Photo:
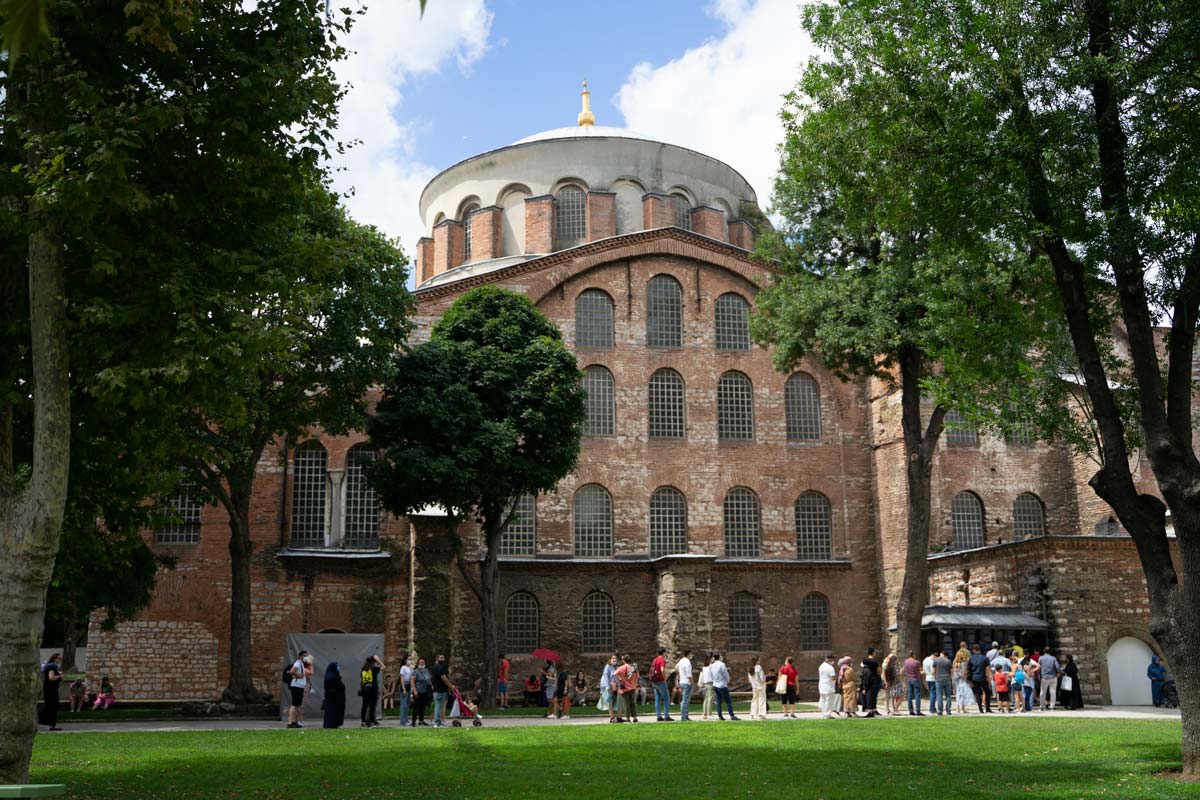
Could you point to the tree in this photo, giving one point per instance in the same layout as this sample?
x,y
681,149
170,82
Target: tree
x,y
868,286
147,157
489,409
1081,120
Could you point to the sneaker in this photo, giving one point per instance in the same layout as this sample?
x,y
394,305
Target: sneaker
x,y
731,716
299,724
565,717
291,725
668,719
919,714
721,718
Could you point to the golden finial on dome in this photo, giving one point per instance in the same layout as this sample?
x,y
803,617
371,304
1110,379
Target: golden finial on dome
x,y
586,117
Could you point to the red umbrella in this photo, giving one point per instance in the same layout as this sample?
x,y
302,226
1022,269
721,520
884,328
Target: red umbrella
x,y
546,655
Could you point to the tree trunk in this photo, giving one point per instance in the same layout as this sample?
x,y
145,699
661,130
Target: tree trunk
x,y
240,688
489,584
70,641
919,447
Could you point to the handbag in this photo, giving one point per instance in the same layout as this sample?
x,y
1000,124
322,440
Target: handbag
x,y
1067,683
781,685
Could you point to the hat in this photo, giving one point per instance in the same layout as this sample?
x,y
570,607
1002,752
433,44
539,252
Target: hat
x,y
995,644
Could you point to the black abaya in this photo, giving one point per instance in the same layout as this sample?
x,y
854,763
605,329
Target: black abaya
x,y
335,700
1074,698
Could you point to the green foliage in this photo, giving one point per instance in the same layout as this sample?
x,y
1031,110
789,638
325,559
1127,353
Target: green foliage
x,y
490,408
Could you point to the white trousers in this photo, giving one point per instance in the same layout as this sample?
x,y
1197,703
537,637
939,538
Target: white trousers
x,y
1049,687
758,702
828,704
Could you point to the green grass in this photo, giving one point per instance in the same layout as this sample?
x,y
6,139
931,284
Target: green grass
x,y
1043,758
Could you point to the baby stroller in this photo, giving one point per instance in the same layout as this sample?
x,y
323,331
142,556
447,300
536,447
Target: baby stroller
x,y
1170,694
460,709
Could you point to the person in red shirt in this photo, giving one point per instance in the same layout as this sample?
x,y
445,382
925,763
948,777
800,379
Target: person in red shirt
x,y
789,697
913,678
1001,679
502,681
658,679
627,679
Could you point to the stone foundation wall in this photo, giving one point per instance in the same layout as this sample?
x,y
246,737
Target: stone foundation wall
x,y
156,660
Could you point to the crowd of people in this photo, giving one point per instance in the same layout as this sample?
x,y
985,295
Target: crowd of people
x,y
80,696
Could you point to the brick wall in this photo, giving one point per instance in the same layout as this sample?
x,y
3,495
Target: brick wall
x,y
709,222
425,259
156,660
447,245
741,233
601,215
539,224
485,232
658,210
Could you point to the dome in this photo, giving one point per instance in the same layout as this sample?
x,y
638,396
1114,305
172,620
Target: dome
x,y
584,131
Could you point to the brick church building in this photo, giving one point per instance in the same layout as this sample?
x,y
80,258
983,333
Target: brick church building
x,y
717,503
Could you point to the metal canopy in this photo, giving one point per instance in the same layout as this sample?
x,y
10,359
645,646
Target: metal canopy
x,y
995,617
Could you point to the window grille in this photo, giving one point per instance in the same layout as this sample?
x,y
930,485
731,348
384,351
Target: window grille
x,y
683,211
570,214
814,527
593,522
467,223
597,623
960,430
519,537
742,524
966,514
362,506
664,312
1021,431
802,406
185,507
815,631
668,522
521,623
745,627
593,319
309,487
600,399
735,407
666,405
1029,517
732,322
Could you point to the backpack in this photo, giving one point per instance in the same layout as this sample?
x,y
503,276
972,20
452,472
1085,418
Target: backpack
x,y
287,674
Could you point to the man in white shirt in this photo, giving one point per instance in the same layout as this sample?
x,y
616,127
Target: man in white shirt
x,y
930,679
720,681
827,686
707,687
683,674
300,671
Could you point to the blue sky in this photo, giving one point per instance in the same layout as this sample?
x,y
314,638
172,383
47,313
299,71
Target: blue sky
x,y
474,75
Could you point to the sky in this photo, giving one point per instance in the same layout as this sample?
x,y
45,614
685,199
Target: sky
x,y
474,75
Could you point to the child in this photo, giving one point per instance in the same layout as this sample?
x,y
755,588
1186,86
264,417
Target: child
x,y
389,692
107,696
78,695
1002,679
1023,687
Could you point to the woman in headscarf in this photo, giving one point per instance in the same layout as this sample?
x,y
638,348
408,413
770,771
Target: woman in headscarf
x,y
963,696
848,681
335,696
1072,698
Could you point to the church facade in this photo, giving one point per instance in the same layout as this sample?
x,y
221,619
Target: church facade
x,y
717,503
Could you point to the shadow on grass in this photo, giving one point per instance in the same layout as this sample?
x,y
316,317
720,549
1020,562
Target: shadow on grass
x,y
967,758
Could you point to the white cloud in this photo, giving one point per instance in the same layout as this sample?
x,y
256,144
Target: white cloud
x,y
389,44
723,97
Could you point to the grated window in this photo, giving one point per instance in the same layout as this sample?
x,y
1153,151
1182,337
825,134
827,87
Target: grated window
x,y
570,214
735,407
683,211
310,481
815,631
802,406
664,312
960,430
593,522
467,223
666,405
745,626
668,522
814,527
743,524
521,623
362,506
519,537
1029,517
600,399
732,322
593,319
966,514
185,506
597,623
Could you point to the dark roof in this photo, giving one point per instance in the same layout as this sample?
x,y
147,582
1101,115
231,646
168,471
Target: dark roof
x,y
981,617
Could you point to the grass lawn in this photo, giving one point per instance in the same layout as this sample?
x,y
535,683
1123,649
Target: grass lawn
x,y
1043,758
590,710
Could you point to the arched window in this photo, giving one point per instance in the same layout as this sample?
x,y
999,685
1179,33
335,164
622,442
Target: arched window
x,y
668,522
814,527
519,537
521,623
960,430
1029,517
1108,527
310,478
593,319
570,214
666,405
664,312
732,322
802,406
966,515
467,211
683,211
1021,430
743,524
184,506
815,628
600,397
361,529
593,522
597,623
745,627
735,407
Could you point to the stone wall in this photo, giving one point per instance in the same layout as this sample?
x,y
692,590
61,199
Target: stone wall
x,y
156,660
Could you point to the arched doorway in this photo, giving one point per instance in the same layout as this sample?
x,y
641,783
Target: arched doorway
x,y
1127,661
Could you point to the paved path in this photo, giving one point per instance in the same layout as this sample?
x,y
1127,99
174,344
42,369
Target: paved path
x,y
1093,712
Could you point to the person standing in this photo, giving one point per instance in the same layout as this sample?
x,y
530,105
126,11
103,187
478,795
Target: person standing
x,y
51,684
963,695
626,677
788,701
1157,674
943,672
389,692
502,676
871,683
706,686
609,693
995,651
549,678
1000,679
1072,692
1048,669
405,688
758,689
440,679
720,679
683,669
298,686
981,679
930,681
912,681
893,686
848,680
368,690
562,697
658,680
827,686
422,688
335,697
